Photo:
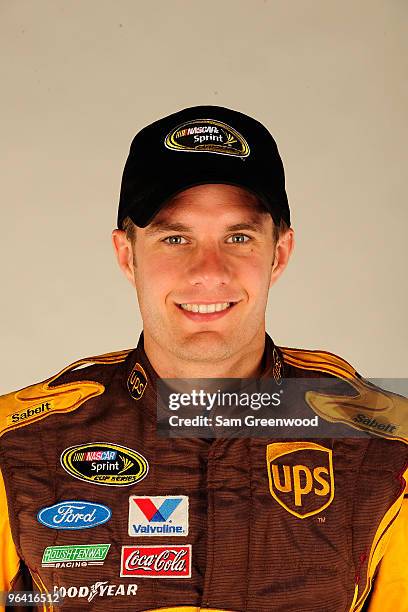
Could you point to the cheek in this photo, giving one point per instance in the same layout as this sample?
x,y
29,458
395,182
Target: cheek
x,y
254,274
155,278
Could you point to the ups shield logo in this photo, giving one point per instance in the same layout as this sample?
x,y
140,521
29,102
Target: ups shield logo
x,y
137,382
300,476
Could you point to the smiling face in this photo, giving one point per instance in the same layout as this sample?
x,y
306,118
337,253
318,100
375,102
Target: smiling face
x,y
202,272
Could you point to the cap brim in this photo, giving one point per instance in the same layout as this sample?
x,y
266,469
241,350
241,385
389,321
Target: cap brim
x,y
156,197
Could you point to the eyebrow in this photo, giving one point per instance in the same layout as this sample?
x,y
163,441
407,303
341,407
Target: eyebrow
x,y
164,226
251,226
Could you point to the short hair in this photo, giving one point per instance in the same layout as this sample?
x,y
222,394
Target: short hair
x,y
130,228
278,229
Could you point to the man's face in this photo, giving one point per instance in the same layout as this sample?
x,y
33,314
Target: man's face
x,y
202,272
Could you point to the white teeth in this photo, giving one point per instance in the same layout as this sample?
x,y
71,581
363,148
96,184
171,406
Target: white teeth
x,y
210,308
206,308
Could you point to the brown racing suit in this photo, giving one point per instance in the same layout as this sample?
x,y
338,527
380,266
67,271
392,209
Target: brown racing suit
x,y
248,548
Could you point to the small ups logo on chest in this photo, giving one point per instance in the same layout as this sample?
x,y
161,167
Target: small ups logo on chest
x,y
137,382
300,476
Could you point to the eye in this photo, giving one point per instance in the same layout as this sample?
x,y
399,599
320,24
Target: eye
x,y
175,240
238,238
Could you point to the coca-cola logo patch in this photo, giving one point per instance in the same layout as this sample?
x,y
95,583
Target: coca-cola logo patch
x,y
156,561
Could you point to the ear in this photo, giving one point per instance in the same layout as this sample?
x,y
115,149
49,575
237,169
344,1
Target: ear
x,y
283,251
124,254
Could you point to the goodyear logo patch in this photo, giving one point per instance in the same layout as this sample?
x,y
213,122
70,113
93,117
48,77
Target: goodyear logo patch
x,y
104,463
300,476
137,381
29,414
207,135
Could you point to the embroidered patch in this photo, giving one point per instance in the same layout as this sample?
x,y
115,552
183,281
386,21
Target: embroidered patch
x,y
104,463
137,381
301,476
209,136
158,515
75,555
156,561
74,514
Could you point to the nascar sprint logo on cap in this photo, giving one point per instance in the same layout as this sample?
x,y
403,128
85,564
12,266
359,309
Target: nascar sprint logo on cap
x,y
207,135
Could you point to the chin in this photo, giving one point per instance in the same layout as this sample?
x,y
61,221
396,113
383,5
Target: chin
x,y
204,346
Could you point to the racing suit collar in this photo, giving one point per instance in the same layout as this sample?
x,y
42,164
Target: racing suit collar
x,y
272,363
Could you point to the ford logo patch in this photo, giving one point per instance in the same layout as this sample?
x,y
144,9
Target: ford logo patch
x,y
74,515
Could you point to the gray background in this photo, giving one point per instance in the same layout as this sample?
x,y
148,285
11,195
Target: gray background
x,y
80,78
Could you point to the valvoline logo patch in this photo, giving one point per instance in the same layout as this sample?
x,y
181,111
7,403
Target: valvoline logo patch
x,y
301,476
158,515
75,514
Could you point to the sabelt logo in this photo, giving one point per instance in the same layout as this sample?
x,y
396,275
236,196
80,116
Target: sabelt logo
x,y
207,135
300,476
104,463
137,381
156,561
29,413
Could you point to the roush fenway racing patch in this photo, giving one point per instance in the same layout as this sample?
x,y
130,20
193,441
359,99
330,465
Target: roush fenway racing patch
x,y
156,561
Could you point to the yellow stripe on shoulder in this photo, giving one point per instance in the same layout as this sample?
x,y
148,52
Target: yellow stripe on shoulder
x,y
372,409
35,402
320,361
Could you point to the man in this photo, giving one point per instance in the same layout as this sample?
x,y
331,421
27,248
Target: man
x,y
95,502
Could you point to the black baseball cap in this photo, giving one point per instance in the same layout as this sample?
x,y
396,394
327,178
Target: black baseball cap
x,y
195,146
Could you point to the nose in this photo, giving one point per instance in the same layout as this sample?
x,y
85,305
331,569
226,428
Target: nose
x,y
209,267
